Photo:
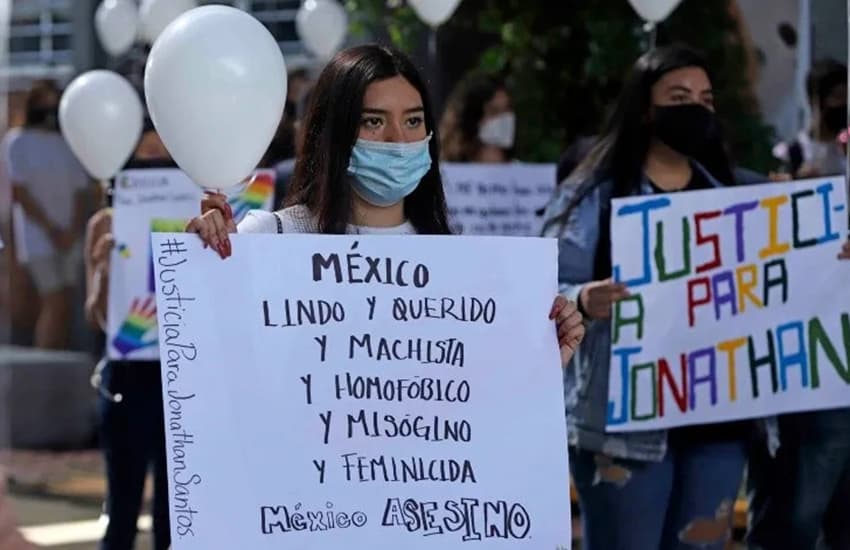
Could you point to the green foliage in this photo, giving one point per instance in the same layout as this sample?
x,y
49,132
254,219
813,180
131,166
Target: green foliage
x,y
566,60
394,18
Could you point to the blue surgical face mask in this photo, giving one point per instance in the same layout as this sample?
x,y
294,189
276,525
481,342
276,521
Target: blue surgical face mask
x,y
385,173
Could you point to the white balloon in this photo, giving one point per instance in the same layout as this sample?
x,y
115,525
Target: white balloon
x,y
156,15
654,11
434,12
101,118
216,88
322,25
117,24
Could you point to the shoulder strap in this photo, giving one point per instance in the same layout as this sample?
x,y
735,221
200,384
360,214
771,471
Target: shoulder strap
x,y
279,222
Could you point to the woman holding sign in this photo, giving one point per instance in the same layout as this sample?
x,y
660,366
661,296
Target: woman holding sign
x,y
131,412
369,165
654,490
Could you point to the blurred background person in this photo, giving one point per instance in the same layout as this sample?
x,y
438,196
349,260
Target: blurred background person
x,y
816,151
285,147
798,498
53,191
479,124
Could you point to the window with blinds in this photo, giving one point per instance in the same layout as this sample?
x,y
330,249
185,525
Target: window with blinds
x,y
277,15
40,39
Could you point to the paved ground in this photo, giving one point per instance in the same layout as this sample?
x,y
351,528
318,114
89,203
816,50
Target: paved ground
x,y
58,498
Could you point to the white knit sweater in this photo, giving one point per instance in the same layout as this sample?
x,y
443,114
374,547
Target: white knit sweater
x,y
298,219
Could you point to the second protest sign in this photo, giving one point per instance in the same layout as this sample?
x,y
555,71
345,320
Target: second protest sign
x,y
738,305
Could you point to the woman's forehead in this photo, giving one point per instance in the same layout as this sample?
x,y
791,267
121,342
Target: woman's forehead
x,y
692,79
392,94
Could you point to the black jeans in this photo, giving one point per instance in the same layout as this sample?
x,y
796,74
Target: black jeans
x,y
133,441
799,499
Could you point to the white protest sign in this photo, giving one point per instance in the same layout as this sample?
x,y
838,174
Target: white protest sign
x,y
497,199
145,201
738,305
362,392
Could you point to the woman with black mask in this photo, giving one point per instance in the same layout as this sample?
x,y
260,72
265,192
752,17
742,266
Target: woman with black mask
x,y
649,490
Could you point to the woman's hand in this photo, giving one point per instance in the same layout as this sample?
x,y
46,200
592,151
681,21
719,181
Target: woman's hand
x,y
570,327
845,251
216,201
779,176
214,224
102,252
98,284
598,297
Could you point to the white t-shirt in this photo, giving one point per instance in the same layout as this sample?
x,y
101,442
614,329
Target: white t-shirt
x,y
298,219
42,162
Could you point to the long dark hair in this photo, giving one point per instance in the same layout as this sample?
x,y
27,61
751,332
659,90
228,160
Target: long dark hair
x,y
462,119
621,151
332,124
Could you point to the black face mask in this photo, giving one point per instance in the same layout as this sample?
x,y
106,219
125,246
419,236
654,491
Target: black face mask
x,y
686,129
834,119
44,117
137,164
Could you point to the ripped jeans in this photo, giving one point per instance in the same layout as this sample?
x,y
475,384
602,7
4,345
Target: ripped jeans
x,y
686,501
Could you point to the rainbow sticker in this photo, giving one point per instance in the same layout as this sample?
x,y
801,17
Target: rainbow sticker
x,y
135,331
255,196
161,225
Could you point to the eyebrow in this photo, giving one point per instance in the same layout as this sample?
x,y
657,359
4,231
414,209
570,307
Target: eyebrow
x,y
369,111
680,88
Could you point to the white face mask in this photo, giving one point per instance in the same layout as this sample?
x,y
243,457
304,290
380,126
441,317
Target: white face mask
x,y
499,131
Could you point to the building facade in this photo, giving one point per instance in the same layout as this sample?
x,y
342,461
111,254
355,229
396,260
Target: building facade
x,y
56,38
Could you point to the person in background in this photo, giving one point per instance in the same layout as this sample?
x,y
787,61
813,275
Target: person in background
x,y
479,124
130,392
298,84
817,151
652,490
53,190
798,498
283,149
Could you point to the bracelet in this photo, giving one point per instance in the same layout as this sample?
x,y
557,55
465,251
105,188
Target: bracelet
x,y
580,306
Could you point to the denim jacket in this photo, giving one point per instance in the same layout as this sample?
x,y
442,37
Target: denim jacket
x,y
586,378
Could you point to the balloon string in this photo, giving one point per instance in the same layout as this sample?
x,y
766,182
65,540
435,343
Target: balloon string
x,y
652,30
434,61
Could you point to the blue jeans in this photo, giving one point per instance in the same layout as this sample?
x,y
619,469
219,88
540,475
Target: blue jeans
x,y
133,441
686,501
799,499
